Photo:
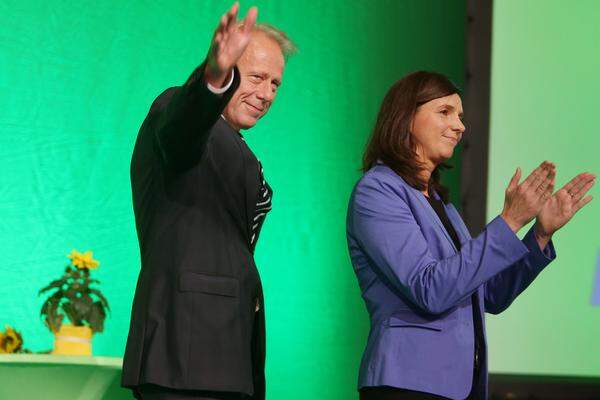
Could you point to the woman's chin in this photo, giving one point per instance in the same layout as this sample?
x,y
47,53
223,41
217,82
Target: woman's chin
x,y
443,158
446,155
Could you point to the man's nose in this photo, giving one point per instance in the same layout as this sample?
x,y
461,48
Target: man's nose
x,y
265,93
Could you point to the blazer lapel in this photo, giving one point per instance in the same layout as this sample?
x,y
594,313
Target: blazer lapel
x,y
433,216
458,224
464,235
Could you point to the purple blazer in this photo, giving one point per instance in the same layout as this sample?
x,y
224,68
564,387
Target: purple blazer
x,y
417,287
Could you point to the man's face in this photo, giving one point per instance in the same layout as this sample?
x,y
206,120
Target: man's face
x,y
261,69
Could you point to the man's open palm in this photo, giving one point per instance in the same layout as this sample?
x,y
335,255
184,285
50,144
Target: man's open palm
x,y
230,40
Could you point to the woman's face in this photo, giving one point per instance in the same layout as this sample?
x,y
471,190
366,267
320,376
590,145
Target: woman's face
x,y
437,128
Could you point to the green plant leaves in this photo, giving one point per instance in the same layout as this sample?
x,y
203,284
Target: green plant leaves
x,y
74,299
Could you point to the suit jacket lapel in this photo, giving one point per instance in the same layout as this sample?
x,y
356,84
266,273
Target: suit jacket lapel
x,y
252,178
241,196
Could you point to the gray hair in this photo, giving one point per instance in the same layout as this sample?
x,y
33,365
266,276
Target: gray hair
x,y
288,48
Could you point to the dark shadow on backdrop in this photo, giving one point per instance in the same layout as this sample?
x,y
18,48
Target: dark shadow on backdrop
x,y
473,182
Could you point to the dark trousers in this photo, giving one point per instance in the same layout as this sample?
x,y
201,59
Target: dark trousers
x,y
391,393
155,392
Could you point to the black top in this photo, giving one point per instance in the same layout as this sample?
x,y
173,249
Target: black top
x,y
263,206
438,207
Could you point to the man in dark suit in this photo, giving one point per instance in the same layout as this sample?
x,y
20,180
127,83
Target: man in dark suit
x,y
197,325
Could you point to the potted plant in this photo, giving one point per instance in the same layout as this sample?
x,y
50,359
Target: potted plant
x,y
72,296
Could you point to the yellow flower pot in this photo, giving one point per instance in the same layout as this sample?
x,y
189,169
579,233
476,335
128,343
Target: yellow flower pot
x,y
73,340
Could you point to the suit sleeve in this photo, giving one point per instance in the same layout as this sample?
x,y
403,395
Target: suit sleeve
x,y
503,289
186,119
384,227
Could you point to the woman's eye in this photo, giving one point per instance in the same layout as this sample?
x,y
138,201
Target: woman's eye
x,y
445,112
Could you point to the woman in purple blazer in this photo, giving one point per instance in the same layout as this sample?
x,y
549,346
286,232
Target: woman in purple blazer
x,y
425,281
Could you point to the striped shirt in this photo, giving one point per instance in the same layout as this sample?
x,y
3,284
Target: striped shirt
x,y
263,206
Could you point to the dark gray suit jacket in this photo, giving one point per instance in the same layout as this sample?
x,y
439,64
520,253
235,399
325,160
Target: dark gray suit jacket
x,y
195,185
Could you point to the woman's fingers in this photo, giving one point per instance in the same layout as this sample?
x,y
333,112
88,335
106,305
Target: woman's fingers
x,y
575,187
569,186
584,181
546,181
514,181
549,190
581,189
581,203
534,176
538,184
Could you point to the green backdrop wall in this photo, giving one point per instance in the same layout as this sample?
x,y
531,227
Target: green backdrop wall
x,y
76,81
544,106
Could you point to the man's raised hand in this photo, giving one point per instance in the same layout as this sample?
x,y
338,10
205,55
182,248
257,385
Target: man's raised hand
x,y
228,44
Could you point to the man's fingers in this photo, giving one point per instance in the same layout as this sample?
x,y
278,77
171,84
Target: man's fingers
x,y
232,17
218,37
234,8
250,19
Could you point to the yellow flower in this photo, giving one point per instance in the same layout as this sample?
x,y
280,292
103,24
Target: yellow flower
x,y
10,341
83,260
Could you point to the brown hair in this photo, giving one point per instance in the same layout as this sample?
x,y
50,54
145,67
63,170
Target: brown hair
x,y
391,141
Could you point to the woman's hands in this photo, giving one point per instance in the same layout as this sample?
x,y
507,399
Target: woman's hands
x,y
562,206
523,202
533,198
228,44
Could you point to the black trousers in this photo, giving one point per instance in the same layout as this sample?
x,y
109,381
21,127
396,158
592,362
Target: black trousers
x,y
391,393
155,392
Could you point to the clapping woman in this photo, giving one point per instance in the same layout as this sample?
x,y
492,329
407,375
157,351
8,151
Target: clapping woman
x,y
425,281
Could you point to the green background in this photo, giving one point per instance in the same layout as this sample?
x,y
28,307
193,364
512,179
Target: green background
x,y
544,106
76,81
